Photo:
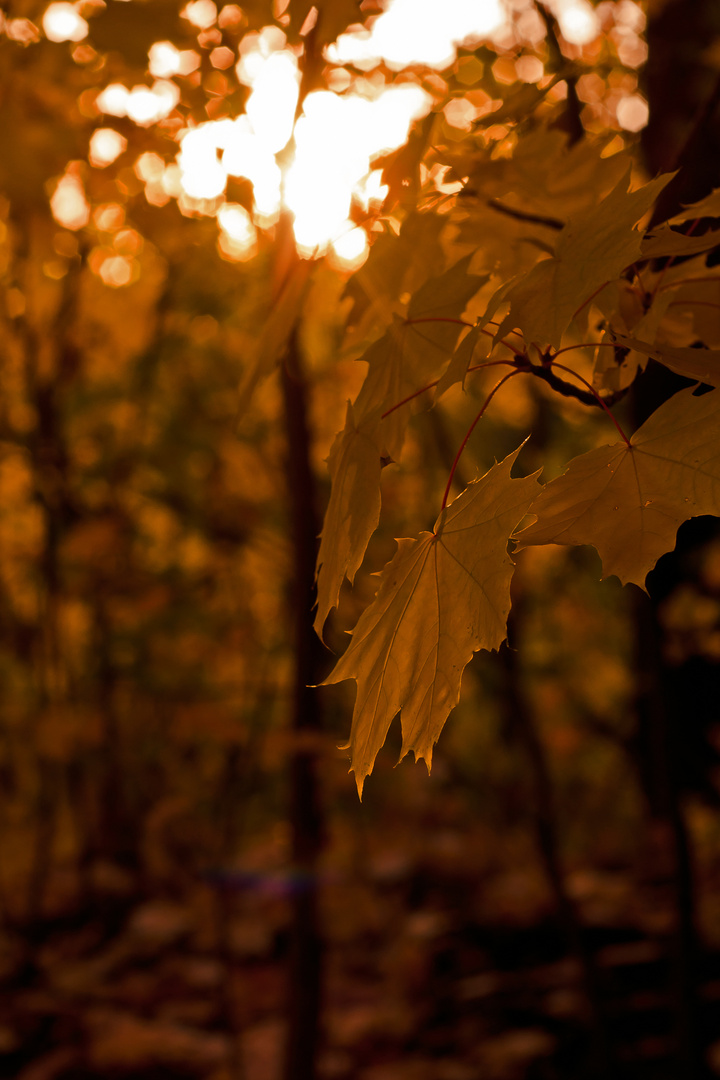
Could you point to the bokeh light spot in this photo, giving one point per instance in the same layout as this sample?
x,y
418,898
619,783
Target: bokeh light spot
x,y
106,145
238,235
68,204
578,20
61,22
410,32
633,112
116,271
201,13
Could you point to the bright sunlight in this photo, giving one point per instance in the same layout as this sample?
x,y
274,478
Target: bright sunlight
x,y
318,165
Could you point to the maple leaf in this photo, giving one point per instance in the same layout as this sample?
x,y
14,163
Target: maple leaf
x,y
353,512
616,369
401,167
593,248
392,268
545,174
523,101
412,353
700,364
403,359
665,241
474,346
272,341
707,207
628,501
441,598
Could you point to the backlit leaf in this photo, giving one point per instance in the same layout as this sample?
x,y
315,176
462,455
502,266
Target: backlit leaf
x,y
405,358
272,340
594,247
700,364
415,350
396,264
353,512
401,168
666,241
707,207
473,348
441,598
615,369
522,102
629,502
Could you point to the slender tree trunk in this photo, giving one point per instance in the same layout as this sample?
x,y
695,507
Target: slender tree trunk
x,y
306,821
659,733
524,729
683,134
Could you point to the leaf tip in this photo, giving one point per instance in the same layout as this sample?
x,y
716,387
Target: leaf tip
x,y
319,624
360,782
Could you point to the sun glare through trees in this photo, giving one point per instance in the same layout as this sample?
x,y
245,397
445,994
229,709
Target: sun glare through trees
x,y
320,166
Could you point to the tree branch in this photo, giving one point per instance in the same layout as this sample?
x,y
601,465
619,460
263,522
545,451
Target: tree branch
x,y
568,389
521,215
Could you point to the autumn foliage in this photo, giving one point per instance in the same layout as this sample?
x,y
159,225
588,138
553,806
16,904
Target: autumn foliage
x,y
340,388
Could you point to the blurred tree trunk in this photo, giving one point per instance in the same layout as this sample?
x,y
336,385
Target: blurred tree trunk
x,y
306,821
683,91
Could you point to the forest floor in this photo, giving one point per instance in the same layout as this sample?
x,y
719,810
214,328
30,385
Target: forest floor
x,y
436,968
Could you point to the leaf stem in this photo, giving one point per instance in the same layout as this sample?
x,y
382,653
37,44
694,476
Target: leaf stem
x,y
597,397
701,278
468,433
494,322
423,389
590,299
502,341
462,322
638,275
586,345
439,318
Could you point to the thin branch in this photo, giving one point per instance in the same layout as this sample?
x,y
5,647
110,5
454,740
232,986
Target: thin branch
x,y
423,389
523,365
439,318
586,345
521,215
568,390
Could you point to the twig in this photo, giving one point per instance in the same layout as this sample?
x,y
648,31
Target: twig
x,y
522,215
600,401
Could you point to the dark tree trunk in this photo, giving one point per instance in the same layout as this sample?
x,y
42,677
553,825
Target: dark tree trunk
x,y
306,820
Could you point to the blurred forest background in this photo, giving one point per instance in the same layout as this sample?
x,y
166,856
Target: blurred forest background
x,y
189,886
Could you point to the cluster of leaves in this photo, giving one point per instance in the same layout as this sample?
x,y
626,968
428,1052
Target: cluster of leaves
x,y
602,284
545,256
